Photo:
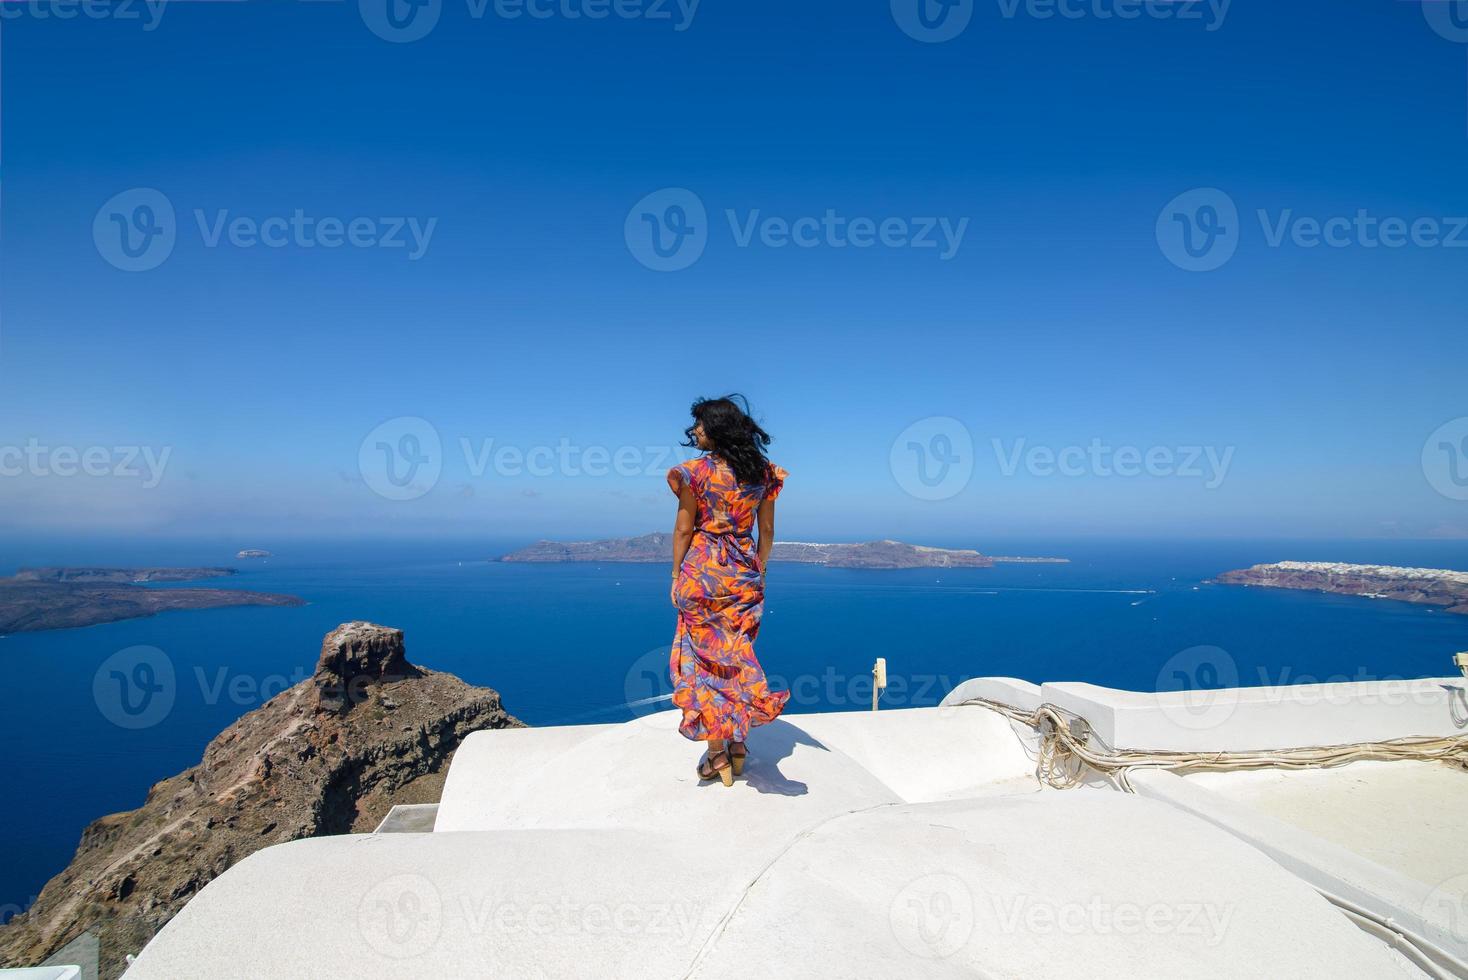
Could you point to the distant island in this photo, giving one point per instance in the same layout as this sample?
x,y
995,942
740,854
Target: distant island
x,y
63,598
1426,586
252,553
90,575
658,547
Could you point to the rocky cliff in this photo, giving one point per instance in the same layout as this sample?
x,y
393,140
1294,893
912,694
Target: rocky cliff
x,y
329,756
1429,586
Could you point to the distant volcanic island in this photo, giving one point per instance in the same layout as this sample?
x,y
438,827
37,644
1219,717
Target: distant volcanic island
x,y
1426,586
658,547
63,598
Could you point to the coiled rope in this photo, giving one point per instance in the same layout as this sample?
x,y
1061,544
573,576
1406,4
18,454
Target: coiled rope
x,y
1068,745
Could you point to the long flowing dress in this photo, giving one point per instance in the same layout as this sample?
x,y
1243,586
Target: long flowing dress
x,y
720,596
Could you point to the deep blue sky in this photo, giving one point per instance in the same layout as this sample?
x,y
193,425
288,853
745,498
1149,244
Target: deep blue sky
x,y
529,321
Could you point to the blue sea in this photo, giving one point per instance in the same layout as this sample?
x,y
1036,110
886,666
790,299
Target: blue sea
x,y
578,643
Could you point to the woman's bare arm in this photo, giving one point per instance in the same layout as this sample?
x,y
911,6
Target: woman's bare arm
x,y
766,515
683,526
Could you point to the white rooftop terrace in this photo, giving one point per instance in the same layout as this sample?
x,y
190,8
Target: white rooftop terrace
x,y
903,842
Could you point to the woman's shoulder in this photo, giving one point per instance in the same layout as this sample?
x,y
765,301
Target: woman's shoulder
x,y
774,480
690,470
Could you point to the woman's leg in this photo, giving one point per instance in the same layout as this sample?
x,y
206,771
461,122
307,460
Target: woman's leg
x,y
717,764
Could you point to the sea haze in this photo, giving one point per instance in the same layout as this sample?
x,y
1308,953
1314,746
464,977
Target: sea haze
x,y
575,643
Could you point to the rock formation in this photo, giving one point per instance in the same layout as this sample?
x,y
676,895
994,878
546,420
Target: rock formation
x,y
331,755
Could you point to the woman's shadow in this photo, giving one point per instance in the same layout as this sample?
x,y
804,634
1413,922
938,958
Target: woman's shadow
x,y
769,744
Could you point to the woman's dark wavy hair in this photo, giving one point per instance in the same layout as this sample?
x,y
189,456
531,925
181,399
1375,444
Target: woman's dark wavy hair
x,y
737,439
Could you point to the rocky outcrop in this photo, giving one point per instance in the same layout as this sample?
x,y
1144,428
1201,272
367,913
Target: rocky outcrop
x,y
330,755
651,548
1429,586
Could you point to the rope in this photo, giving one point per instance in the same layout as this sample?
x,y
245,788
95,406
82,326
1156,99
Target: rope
x,y
1068,746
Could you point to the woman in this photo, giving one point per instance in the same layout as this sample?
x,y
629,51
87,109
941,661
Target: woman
x,y
719,583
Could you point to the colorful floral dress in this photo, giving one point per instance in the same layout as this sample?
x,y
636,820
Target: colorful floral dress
x,y
720,596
